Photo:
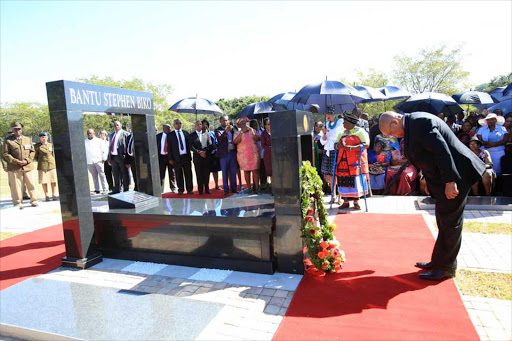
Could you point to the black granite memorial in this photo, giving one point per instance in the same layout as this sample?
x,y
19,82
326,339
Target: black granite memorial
x,y
292,143
67,102
235,233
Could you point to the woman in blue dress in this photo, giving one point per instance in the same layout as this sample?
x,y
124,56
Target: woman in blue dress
x,y
494,137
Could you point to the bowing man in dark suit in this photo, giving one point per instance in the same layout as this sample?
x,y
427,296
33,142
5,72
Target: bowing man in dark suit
x,y
178,152
116,156
163,159
202,145
450,169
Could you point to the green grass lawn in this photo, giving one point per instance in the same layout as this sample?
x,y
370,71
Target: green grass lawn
x,y
487,228
485,284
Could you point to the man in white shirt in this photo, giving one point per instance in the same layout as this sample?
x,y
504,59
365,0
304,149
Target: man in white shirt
x,y
178,152
96,153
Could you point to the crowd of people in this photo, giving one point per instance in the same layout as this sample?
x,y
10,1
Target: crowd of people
x,y
350,151
230,149
363,160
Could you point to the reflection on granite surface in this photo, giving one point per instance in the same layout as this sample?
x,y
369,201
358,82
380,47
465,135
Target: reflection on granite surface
x,y
97,313
233,206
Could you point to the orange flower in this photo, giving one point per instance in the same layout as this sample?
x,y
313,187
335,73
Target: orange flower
x,y
332,246
305,249
324,244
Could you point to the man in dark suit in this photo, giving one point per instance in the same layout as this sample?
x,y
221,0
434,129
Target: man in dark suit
x,y
450,169
202,145
116,156
163,159
178,152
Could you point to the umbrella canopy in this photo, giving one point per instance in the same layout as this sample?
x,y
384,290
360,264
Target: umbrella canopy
x,y
330,93
393,92
474,97
505,107
254,109
195,105
431,102
497,94
284,96
373,94
508,90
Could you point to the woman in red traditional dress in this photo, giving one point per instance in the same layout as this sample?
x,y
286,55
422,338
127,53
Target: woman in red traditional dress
x,y
352,183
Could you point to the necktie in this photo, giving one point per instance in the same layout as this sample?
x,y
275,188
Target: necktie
x,y
180,140
165,147
113,143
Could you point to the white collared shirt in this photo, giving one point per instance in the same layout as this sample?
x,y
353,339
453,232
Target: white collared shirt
x,y
162,144
93,150
179,134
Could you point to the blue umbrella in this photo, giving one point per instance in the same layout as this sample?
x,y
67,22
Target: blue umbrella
x,y
282,97
505,107
431,102
254,109
497,94
373,94
330,93
474,97
195,105
508,90
394,92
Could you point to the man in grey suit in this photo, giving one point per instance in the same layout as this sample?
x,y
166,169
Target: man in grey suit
x,y
116,156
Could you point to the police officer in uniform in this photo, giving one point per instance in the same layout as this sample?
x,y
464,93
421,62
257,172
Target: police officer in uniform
x,y
19,152
45,157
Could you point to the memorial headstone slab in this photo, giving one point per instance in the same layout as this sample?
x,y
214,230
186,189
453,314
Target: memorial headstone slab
x,y
131,199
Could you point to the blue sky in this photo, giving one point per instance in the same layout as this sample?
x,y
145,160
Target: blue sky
x,y
235,48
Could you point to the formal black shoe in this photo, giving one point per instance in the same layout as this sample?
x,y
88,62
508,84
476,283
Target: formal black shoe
x,y
424,265
200,193
180,193
437,275
97,192
190,192
207,192
235,192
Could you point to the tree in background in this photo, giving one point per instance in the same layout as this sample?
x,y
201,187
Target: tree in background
x,y
232,107
502,80
33,115
436,69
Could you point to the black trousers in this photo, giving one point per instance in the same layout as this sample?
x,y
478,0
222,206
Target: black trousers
x,y
449,218
183,169
163,163
108,175
120,171
202,168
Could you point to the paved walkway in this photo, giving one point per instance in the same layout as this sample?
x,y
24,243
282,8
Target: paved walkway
x,y
249,300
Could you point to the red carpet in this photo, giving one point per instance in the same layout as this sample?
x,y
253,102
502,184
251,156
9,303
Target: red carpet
x,y
378,295
30,254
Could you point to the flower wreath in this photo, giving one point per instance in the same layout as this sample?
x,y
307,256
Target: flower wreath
x,y
321,249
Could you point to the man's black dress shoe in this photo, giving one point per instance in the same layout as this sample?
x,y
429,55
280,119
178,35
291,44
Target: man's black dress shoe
x,y
424,265
190,192
180,193
207,192
437,275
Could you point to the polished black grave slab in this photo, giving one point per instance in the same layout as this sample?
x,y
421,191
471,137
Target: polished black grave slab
x,y
234,233
44,309
474,203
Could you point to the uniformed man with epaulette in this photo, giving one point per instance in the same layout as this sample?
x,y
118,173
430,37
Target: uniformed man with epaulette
x,y
19,152
45,157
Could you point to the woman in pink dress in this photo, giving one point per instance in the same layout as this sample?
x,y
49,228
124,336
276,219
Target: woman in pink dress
x,y
247,153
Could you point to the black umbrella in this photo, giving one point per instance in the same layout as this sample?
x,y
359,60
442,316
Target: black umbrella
x,y
431,102
254,109
330,93
195,105
474,97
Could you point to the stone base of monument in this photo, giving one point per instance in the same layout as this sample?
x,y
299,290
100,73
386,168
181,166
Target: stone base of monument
x,y
82,263
234,233
474,203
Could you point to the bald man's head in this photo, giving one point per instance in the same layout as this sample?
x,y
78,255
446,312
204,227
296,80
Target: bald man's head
x,y
391,123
